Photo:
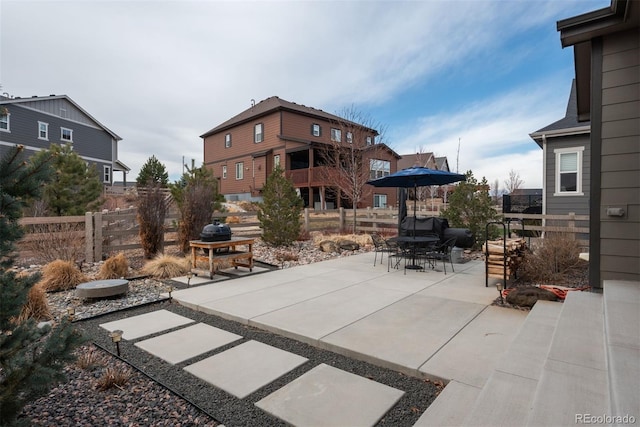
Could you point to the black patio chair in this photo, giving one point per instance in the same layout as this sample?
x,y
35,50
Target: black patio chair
x,y
442,252
382,246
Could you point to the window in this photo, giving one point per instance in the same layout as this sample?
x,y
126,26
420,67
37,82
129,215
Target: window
x,y
43,131
224,172
379,168
569,171
350,137
66,134
336,135
316,130
369,140
276,161
106,174
258,134
227,140
4,122
239,170
379,200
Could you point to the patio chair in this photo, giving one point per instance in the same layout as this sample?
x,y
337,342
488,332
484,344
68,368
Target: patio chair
x,y
442,252
381,246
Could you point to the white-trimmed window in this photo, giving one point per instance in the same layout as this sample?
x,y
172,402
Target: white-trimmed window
x,y
316,130
106,174
43,131
258,133
350,137
379,168
227,140
66,134
5,122
276,161
379,200
336,135
224,172
568,171
239,170
369,140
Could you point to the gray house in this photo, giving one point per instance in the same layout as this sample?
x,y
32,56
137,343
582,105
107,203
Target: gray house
x,y
606,46
39,121
566,162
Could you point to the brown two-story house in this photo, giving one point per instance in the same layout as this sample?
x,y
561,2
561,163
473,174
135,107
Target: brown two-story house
x,y
245,149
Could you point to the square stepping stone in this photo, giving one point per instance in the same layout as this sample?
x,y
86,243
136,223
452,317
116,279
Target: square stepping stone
x,y
146,324
178,346
245,368
328,396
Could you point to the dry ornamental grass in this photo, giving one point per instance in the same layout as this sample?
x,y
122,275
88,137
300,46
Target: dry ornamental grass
x,y
61,276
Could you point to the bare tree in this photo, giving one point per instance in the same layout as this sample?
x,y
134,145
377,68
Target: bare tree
x,y
514,181
495,191
352,155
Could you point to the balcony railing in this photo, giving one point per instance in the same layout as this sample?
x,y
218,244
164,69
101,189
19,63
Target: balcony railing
x,y
319,175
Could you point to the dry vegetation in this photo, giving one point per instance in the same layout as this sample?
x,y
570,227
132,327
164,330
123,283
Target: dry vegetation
x,y
166,266
555,261
50,242
114,267
61,275
37,307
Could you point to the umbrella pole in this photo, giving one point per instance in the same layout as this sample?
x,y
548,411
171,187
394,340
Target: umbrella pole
x,y
415,215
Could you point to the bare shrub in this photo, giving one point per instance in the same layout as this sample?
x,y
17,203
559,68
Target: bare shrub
x,y
36,307
551,262
153,206
89,360
61,275
49,242
166,266
114,267
113,377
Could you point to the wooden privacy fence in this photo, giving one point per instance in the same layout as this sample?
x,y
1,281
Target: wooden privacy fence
x,y
102,233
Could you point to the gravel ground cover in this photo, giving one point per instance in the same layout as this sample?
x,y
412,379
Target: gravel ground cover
x,y
161,394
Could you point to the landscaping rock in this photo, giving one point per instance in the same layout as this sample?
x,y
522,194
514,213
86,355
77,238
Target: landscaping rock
x,y
348,245
328,246
527,296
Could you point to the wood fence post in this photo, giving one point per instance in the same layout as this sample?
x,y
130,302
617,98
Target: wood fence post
x,y
88,237
342,218
97,237
307,226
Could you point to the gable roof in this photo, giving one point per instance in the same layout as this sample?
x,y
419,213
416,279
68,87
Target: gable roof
x,y
273,104
44,99
416,159
568,125
443,164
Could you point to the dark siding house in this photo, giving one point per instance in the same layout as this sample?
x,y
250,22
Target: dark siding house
x,y
566,156
606,45
38,122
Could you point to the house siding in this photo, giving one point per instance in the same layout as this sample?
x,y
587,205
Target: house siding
x,y
560,205
620,156
92,144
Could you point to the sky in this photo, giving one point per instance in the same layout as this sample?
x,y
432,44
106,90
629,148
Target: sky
x,y
469,80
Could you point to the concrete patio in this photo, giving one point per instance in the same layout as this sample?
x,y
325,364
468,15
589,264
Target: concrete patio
x,y
503,366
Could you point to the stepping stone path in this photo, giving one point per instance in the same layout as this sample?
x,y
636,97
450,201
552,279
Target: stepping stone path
x,y
323,393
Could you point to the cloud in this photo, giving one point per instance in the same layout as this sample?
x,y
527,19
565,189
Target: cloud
x,y
160,73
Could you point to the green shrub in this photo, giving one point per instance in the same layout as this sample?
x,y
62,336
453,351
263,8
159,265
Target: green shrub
x,y
279,213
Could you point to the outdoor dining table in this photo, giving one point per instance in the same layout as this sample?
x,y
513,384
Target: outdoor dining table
x,y
412,243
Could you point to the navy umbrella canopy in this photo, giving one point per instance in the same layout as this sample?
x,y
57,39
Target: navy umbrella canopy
x,y
417,177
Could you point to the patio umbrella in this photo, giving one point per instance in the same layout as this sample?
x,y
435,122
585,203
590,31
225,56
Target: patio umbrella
x,y
417,177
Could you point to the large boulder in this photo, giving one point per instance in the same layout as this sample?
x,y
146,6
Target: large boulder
x,y
527,296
